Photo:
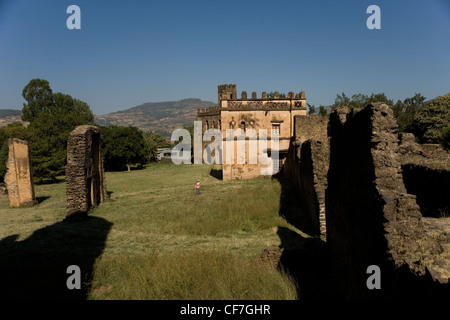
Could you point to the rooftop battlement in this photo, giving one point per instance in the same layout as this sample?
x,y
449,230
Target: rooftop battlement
x,y
228,92
211,111
228,100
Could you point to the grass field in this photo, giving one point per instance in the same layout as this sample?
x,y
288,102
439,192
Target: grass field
x,y
154,239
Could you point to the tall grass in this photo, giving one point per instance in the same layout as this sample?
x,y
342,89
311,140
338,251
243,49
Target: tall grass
x,y
194,274
163,241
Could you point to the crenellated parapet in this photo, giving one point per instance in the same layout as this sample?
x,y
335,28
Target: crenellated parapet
x,y
211,111
275,96
228,101
264,104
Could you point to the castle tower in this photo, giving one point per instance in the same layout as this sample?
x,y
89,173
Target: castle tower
x,y
227,92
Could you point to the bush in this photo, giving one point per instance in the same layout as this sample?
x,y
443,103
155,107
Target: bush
x,y
123,147
431,119
446,138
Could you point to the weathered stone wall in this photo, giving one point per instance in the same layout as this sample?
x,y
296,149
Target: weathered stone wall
x,y
85,179
431,186
307,165
19,177
312,126
426,174
313,169
370,217
291,167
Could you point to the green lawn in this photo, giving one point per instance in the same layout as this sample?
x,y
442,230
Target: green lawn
x,y
154,239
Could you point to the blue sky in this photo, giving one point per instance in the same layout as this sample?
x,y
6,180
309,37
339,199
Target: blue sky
x,y
130,52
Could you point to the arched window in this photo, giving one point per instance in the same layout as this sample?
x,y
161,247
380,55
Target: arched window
x,y
243,125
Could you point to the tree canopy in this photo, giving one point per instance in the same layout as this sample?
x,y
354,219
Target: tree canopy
x,y
154,141
431,120
322,111
360,100
311,109
271,95
39,97
123,147
405,111
52,116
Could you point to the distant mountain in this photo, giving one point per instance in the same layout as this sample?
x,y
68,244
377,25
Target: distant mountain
x,y
9,116
10,112
160,117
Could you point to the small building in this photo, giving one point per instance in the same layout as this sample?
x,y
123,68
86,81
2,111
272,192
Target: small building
x,y
167,153
164,153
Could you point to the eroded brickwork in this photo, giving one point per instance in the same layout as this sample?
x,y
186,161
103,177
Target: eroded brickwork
x,y
85,179
372,220
19,177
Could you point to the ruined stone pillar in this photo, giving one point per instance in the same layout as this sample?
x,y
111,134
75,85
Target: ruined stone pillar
x,y
19,177
85,181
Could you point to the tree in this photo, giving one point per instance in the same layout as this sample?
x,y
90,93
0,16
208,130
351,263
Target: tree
x,y
431,120
123,147
39,97
52,117
341,101
154,141
378,97
271,95
14,130
406,111
322,111
311,109
446,138
359,100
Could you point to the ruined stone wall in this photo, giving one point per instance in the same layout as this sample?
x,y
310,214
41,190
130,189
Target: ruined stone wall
x,y
291,167
312,126
313,181
85,181
370,217
431,186
307,166
19,177
426,174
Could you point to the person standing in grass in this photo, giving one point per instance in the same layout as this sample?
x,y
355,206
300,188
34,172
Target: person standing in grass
x,y
197,187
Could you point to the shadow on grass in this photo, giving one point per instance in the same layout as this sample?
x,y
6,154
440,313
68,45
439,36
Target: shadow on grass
x,y
216,173
304,258
42,199
291,208
36,268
